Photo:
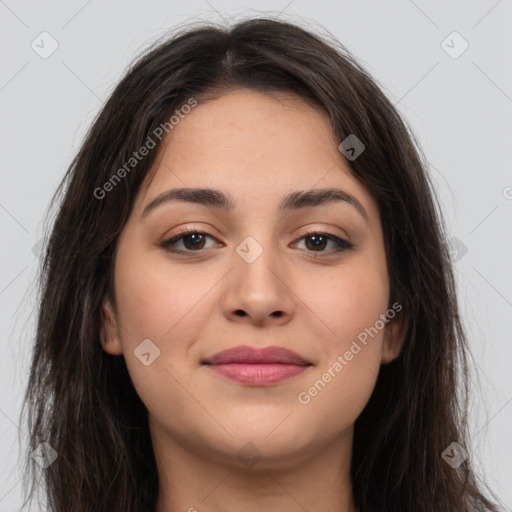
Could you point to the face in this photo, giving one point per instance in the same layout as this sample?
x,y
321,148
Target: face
x,y
311,278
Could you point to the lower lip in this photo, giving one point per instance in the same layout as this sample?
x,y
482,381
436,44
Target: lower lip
x,y
258,374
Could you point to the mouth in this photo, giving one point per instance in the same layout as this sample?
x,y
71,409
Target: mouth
x,y
257,367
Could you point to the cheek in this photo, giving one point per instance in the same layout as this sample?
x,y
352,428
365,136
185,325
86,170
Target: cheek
x,y
351,305
158,299
348,300
334,398
157,302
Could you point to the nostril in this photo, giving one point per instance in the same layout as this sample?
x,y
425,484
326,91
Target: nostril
x,y
239,312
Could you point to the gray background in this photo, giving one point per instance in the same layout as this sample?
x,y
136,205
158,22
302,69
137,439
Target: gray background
x,y
459,108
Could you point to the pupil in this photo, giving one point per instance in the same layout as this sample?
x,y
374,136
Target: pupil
x,y
318,241
195,237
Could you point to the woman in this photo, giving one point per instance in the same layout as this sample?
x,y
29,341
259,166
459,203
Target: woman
x,y
247,302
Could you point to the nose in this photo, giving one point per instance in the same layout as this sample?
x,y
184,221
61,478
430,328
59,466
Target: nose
x,y
259,291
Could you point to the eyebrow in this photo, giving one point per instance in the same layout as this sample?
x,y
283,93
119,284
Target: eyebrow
x,y
293,201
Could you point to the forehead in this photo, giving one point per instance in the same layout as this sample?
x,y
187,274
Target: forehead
x,y
245,127
257,147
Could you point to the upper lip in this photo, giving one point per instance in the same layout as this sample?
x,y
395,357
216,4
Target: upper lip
x,y
251,355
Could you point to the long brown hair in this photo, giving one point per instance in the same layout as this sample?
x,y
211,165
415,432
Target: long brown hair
x,y
81,400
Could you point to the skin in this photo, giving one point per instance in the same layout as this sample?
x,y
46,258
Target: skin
x,y
256,147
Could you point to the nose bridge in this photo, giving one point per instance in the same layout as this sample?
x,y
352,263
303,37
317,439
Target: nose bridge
x,y
257,260
257,286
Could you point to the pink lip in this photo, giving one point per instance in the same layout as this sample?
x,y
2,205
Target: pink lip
x,y
257,367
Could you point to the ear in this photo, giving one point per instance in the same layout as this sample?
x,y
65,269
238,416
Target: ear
x,y
109,333
395,333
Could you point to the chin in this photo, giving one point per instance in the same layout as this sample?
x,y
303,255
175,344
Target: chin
x,y
266,448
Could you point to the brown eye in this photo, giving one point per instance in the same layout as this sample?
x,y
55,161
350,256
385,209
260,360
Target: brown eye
x,y
314,242
192,241
317,243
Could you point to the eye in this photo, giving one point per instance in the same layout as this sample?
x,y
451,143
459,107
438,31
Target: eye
x,y
316,242
194,241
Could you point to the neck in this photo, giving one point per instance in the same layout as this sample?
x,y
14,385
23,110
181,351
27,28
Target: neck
x,y
191,481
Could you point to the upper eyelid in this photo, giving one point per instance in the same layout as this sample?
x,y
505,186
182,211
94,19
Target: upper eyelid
x,y
188,231
180,231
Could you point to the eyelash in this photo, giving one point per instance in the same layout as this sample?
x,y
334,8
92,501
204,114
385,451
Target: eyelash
x,y
343,245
